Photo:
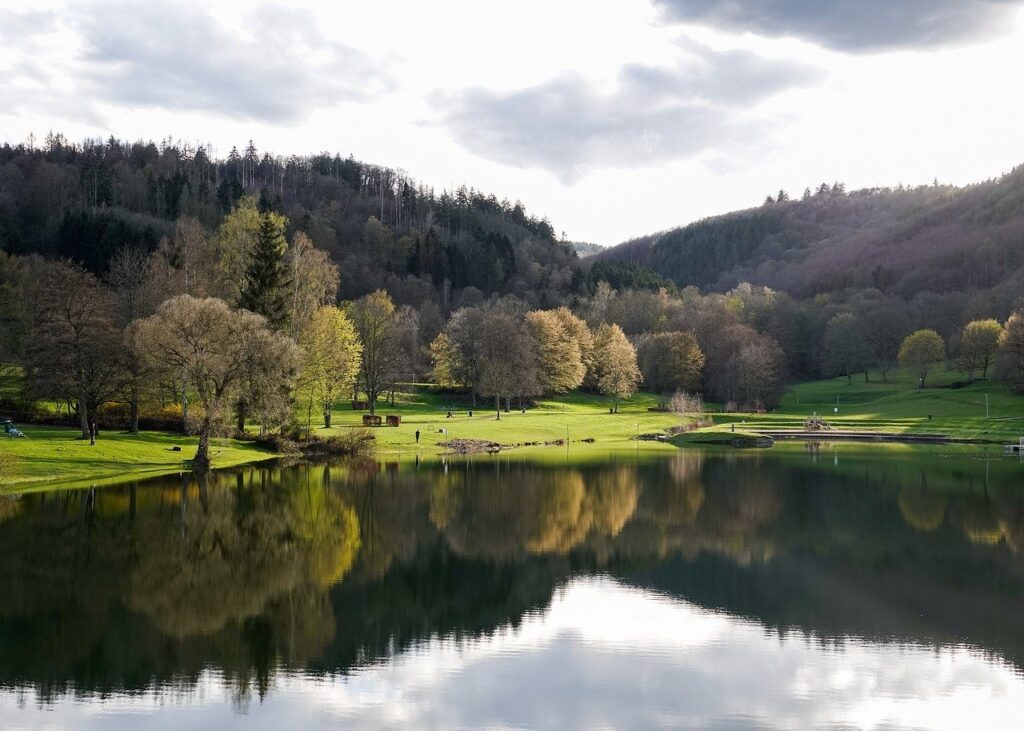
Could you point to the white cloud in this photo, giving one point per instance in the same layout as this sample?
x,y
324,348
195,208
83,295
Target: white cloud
x,y
640,132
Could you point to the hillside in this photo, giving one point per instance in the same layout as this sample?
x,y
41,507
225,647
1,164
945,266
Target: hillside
x,y
381,227
900,241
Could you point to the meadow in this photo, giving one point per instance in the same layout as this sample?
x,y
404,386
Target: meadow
x,y
576,427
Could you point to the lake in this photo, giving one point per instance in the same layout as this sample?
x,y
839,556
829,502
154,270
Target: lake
x,y
803,586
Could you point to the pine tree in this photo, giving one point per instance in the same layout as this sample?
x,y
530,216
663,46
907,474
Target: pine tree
x,y
266,279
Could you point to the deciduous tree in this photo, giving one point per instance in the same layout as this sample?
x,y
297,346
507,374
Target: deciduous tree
x,y
374,319
978,345
218,349
920,351
73,351
671,362
846,347
615,364
1011,351
329,360
559,360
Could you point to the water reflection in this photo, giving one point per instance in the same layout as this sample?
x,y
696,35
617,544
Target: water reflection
x,y
779,590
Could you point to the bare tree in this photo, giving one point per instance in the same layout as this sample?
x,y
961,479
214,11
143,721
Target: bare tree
x,y
219,350
74,345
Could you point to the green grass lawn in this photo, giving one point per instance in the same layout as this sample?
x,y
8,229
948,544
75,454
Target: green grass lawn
x,y
55,455
900,407
893,407
578,416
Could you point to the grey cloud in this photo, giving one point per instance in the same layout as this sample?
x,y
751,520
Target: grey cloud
x,y
568,125
852,25
180,59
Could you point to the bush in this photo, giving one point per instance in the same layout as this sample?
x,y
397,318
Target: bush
x,y
686,403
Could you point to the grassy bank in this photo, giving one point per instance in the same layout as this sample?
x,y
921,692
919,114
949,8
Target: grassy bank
x,y
55,455
577,417
894,407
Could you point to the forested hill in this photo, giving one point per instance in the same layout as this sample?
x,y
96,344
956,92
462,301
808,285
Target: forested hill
x,y
383,229
900,241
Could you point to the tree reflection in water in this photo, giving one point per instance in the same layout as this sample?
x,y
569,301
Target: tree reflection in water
x,y
322,569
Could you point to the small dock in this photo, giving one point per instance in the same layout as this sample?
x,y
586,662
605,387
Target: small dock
x,y
1014,448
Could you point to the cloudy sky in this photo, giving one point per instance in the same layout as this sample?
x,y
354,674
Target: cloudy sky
x,y
613,119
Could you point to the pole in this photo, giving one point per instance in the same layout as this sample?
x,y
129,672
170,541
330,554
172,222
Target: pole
x,y
986,405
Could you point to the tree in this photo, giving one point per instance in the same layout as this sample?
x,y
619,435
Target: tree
x,y
312,281
233,246
671,361
403,363
73,348
443,361
464,333
329,360
508,362
374,319
265,291
1011,351
218,349
578,331
920,351
615,364
559,361
845,346
130,280
885,327
15,314
760,366
978,345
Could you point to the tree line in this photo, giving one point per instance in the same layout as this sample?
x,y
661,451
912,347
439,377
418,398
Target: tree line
x,y
214,329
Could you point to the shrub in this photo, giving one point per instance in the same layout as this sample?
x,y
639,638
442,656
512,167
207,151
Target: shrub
x,y
686,403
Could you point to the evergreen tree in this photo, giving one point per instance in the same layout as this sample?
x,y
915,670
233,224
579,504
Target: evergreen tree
x,y
266,277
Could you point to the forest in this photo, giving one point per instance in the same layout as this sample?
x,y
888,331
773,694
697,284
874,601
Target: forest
x,y
153,286
961,246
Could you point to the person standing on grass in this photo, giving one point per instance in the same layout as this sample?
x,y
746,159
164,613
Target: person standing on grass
x,y
417,436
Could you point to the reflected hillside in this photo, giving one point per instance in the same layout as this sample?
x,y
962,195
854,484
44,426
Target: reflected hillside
x,y
325,569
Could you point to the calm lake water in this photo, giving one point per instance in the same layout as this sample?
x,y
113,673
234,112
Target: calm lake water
x,y
778,589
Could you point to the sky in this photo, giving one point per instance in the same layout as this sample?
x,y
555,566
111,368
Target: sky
x,y
612,119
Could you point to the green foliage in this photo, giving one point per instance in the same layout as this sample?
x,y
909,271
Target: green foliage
x,y
670,362
266,276
920,351
1011,352
978,345
615,366
846,345
328,363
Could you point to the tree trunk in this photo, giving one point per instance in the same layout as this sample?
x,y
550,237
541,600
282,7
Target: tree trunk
x,y
327,417
241,417
497,406
83,415
133,424
201,463
472,396
184,407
